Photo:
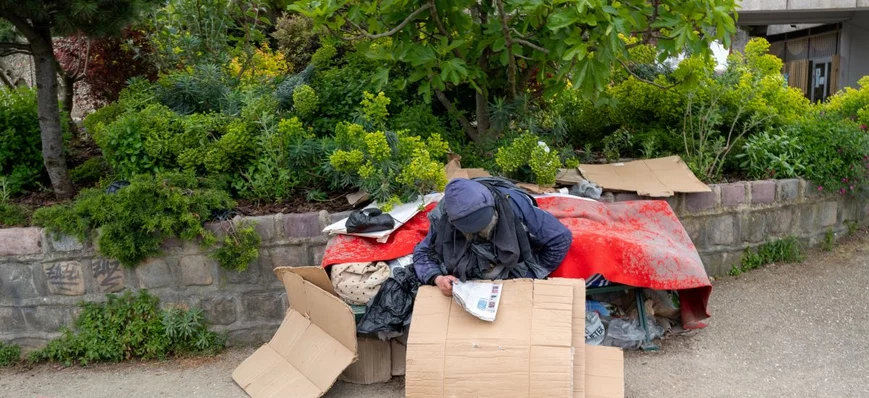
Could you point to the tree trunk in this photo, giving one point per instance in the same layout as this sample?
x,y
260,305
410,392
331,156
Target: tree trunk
x,y
49,113
68,98
482,103
451,109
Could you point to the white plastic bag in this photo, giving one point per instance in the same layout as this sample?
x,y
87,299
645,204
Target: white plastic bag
x,y
594,330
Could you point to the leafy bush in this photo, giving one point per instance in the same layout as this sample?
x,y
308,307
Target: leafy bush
x,y
297,39
528,151
851,103
835,153
202,89
259,67
137,218
772,155
9,354
390,166
20,142
13,215
128,327
239,247
305,101
91,171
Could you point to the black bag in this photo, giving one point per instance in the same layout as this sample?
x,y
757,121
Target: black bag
x,y
369,220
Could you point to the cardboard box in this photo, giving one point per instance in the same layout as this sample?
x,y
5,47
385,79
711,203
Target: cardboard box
x,y
314,344
530,349
374,362
657,178
453,169
399,355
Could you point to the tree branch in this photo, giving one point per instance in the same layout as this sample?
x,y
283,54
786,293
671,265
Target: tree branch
x,y
466,125
366,35
21,24
530,45
511,61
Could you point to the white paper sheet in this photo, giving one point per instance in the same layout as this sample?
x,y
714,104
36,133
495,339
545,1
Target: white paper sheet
x,y
480,299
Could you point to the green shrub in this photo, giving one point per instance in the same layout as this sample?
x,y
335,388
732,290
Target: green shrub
x,y
239,247
10,354
130,327
392,167
13,215
136,219
528,151
851,103
772,155
834,152
202,89
91,171
20,142
297,39
305,101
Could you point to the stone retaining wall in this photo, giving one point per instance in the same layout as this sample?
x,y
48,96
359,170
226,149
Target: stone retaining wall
x,y
42,278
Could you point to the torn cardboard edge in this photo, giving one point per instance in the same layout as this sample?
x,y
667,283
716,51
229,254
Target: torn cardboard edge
x,y
313,345
453,169
658,178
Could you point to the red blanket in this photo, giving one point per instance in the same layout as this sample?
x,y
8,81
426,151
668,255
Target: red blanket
x,y
639,244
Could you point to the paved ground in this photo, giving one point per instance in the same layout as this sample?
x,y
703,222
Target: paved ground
x,y
794,330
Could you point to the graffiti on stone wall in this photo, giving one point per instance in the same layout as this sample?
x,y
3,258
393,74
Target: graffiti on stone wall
x,y
64,278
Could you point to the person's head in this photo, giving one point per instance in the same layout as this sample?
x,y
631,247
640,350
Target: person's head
x,y
469,205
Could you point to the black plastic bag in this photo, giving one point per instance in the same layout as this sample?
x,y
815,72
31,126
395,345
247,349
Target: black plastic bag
x,y
369,220
389,311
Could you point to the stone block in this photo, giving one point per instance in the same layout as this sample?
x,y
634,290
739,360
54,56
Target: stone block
x,y
317,252
305,225
218,228
807,218
827,214
154,273
762,192
335,217
696,229
20,241
65,278
715,264
64,243
813,190
702,201
250,276
108,275
754,227
264,226
779,222
16,282
266,307
255,335
289,256
732,195
219,310
788,190
722,230
12,320
48,319
197,270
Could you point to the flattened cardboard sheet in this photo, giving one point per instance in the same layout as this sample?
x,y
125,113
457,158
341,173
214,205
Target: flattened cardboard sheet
x,y
313,345
453,169
658,178
604,372
527,351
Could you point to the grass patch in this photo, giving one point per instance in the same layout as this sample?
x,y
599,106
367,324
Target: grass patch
x,y
786,250
9,354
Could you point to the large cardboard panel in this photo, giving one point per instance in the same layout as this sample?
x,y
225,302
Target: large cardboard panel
x,y
527,351
313,345
658,178
604,372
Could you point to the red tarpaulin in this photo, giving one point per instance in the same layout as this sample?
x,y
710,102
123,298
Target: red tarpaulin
x,y
640,244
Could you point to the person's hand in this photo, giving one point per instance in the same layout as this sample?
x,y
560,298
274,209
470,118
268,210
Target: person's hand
x,y
445,283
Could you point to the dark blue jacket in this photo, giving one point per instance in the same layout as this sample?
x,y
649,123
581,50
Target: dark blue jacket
x,y
549,238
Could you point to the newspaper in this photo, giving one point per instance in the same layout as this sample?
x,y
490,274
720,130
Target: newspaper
x,y
480,299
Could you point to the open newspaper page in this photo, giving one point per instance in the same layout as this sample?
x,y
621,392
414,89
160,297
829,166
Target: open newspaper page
x,y
480,299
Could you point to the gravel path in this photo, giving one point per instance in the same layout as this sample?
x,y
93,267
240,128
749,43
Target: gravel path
x,y
782,331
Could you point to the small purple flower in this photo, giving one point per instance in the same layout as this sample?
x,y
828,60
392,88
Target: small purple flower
x,y
863,126
842,191
820,188
852,187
